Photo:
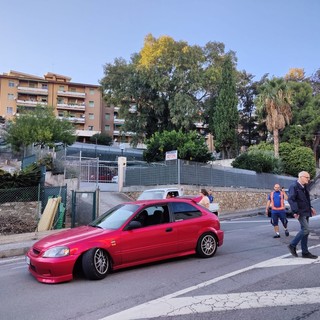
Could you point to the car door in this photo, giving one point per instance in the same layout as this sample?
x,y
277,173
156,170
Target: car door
x,y
156,238
188,222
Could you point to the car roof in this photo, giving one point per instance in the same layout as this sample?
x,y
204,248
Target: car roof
x,y
151,201
161,189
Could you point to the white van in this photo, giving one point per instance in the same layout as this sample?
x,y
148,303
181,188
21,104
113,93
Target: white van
x,y
162,193
165,193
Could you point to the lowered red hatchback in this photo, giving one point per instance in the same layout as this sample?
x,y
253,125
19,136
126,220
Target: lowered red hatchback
x,y
129,234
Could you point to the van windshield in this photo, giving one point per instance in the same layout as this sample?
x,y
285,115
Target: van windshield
x,y
151,194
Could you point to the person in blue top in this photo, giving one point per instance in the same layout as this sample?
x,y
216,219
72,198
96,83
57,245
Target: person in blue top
x,y
299,200
278,211
210,196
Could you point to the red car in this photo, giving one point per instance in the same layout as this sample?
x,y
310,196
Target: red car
x,y
129,234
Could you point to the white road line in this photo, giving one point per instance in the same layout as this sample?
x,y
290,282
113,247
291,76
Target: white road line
x,y
170,305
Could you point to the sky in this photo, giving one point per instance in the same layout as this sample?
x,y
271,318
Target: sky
x,y
76,38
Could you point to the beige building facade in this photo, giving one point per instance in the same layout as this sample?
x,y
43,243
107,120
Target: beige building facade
x,y
81,104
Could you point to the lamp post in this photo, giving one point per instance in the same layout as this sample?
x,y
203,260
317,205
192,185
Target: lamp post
x,y
122,149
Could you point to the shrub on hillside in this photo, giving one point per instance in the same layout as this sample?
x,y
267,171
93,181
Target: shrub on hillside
x,y
300,159
259,161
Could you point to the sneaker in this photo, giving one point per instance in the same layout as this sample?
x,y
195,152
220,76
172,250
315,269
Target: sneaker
x,y
287,233
309,255
277,236
293,250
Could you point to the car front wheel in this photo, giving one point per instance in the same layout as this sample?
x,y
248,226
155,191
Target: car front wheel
x,y
207,245
95,264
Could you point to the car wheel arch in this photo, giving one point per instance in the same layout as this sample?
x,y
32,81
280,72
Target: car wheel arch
x,y
96,263
207,244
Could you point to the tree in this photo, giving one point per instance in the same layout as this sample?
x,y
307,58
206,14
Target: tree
x,y
190,146
274,102
101,138
305,125
251,132
40,127
165,85
295,74
226,116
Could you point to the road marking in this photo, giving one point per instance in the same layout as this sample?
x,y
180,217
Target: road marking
x,y
172,305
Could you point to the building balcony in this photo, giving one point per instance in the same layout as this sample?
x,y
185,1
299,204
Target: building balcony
x,y
65,106
73,119
31,103
71,94
33,90
118,121
119,134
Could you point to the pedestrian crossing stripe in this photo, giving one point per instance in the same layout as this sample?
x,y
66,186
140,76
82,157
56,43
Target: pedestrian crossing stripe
x,y
173,305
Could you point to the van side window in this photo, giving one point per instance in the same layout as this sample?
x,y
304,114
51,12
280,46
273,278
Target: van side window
x,y
184,211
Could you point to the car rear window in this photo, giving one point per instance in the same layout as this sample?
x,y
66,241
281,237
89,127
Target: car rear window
x,y
184,211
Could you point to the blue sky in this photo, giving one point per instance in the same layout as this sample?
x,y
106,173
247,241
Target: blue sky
x,y
77,37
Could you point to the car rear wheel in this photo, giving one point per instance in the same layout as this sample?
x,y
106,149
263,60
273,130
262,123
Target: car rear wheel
x,y
207,245
96,264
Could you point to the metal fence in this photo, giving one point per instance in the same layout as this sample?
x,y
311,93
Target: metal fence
x,y
39,194
195,173
84,207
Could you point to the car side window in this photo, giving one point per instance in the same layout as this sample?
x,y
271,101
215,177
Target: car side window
x,y
153,215
184,211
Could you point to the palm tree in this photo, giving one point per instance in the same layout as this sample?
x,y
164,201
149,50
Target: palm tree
x,y
274,104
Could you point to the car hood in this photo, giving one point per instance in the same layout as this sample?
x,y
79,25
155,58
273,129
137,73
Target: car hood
x,y
71,236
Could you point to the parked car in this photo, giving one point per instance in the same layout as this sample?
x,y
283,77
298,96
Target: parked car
x,y
129,234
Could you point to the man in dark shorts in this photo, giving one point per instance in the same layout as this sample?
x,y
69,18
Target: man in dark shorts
x,y
278,211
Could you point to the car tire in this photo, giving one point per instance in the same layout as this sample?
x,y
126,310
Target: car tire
x,y
96,264
207,245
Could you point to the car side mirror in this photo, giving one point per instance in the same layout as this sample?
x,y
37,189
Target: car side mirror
x,y
133,225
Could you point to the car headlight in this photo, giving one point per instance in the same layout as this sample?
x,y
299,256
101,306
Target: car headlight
x,y
57,252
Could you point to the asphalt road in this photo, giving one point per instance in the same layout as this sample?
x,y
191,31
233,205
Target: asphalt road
x,y
252,276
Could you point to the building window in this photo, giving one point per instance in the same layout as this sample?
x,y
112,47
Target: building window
x,y
91,91
91,116
9,110
91,104
90,128
107,116
61,88
107,127
72,89
11,84
10,96
44,86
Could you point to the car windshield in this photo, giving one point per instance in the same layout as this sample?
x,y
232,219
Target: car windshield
x,y
153,194
115,217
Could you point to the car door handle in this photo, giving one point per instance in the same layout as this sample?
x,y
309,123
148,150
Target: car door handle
x,y
168,229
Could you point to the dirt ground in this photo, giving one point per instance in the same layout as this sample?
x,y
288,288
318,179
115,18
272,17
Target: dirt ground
x,y
18,217
15,224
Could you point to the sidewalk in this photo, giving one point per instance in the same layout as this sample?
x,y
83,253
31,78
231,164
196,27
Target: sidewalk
x,y
18,244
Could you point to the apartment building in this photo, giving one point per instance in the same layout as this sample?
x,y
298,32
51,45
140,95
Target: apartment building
x,y
79,103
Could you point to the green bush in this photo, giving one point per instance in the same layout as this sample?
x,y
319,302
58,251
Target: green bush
x,y
293,159
300,159
28,177
259,161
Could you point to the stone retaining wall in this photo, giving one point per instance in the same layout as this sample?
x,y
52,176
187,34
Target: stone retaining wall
x,y
229,199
